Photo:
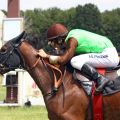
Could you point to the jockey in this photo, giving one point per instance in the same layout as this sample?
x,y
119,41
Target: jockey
x,y
84,49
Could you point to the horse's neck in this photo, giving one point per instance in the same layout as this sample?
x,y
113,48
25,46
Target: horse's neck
x,y
39,73
28,53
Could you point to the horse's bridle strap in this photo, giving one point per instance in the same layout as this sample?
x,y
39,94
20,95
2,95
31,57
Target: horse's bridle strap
x,y
34,65
58,82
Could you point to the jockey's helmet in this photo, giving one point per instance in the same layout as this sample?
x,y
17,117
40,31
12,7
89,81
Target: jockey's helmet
x,y
56,31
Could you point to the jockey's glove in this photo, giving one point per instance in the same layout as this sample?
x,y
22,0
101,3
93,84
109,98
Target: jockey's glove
x,y
53,59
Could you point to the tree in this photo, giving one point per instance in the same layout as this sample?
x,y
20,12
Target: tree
x,y
88,17
111,25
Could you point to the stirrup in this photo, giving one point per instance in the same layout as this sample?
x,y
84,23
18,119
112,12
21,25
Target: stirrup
x,y
97,91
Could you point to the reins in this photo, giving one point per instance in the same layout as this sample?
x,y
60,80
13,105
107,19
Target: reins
x,y
58,82
34,65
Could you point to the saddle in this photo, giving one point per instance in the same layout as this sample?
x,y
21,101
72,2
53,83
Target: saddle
x,y
113,86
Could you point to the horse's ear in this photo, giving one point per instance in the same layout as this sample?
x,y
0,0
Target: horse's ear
x,y
18,39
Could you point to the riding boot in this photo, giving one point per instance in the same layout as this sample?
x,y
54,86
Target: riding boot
x,y
92,74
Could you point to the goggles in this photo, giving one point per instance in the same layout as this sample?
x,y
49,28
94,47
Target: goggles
x,y
58,39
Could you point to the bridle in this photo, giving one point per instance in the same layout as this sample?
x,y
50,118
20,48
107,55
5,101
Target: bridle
x,y
7,54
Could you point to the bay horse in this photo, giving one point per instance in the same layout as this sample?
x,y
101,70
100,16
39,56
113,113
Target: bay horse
x,y
71,101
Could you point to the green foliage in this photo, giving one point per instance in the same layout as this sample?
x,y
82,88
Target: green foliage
x,y
69,18
88,17
111,24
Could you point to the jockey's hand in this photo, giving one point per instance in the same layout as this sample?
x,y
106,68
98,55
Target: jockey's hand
x,y
53,59
43,54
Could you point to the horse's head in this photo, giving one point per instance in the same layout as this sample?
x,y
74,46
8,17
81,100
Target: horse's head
x,y
10,57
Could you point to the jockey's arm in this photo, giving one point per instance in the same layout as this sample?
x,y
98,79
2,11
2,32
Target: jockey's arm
x,y
69,53
63,59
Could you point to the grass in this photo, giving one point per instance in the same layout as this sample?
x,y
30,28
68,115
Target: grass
x,y
23,113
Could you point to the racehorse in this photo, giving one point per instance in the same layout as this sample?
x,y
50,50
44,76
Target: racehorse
x,y
70,102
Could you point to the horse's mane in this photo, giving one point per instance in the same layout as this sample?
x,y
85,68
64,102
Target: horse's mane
x,y
35,40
